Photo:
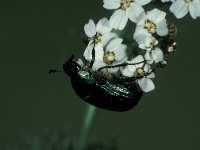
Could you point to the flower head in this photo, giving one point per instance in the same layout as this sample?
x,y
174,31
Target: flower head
x,y
181,7
141,72
125,9
153,52
114,53
153,22
99,36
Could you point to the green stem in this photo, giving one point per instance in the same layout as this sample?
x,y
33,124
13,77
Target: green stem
x,y
87,123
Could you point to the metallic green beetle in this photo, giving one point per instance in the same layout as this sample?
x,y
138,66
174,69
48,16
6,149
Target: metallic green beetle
x,y
119,94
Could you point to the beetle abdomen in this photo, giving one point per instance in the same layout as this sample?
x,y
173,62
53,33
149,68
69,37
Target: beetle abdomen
x,y
116,97
104,93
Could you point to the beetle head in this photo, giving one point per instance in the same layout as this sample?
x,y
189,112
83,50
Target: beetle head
x,y
71,67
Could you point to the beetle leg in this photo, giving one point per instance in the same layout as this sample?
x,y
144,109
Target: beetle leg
x,y
93,57
120,65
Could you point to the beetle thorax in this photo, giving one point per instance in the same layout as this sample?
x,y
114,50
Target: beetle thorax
x,y
71,68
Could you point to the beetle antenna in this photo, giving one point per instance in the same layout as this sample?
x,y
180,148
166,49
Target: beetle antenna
x,y
51,71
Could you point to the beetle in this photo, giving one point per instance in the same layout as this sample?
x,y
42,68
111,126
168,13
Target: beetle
x,y
119,94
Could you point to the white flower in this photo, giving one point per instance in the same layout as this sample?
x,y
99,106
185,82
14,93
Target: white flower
x,y
167,1
181,7
153,22
114,53
142,73
99,36
125,9
153,53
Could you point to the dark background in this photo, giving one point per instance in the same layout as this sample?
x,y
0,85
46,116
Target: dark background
x,y
36,36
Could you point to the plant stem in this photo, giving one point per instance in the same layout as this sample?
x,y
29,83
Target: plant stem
x,y
87,123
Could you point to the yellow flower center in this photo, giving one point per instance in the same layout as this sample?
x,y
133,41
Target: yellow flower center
x,y
97,37
126,4
188,1
139,72
150,26
109,57
152,45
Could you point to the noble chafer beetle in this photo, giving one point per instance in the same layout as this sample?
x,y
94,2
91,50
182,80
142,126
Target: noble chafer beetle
x,y
115,93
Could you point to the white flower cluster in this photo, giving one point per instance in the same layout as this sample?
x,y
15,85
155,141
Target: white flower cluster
x,y
106,51
181,7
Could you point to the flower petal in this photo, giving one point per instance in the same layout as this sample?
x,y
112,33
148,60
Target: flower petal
x,y
111,4
146,84
90,29
119,19
167,1
179,8
143,2
156,15
88,51
147,42
151,75
135,12
194,9
129,68
106,38
162,28
113,44
120,53
148,70
138,61
127,72
157,55
103,26
99,52
98,64
140,34
148,57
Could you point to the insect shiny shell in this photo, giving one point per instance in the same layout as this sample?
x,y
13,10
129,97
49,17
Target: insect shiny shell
x,y
103,93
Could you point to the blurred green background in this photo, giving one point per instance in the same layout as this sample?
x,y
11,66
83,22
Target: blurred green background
x,y
37,35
